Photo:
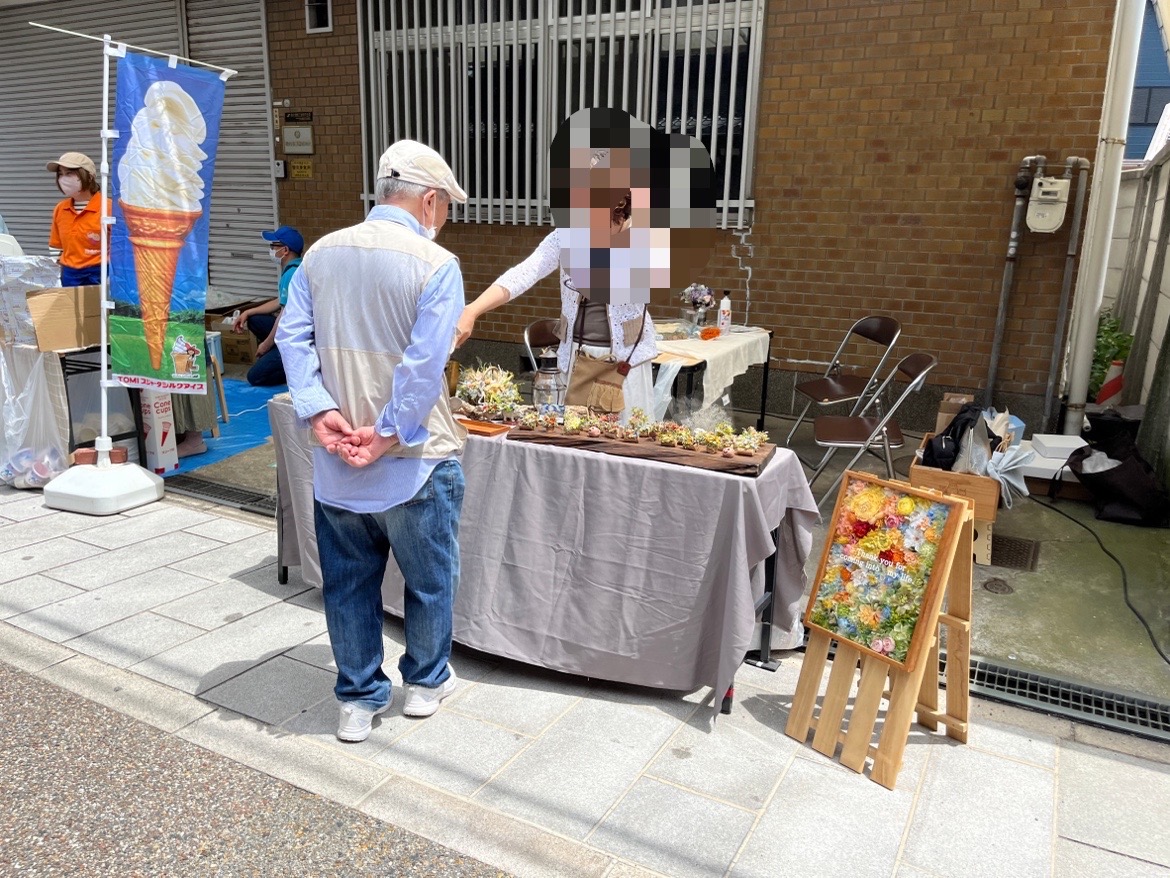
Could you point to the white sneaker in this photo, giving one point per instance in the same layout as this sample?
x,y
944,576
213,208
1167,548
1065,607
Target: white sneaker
x,y
421,701
354,725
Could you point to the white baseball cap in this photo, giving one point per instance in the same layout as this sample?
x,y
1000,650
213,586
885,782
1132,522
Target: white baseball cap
x,y
415,162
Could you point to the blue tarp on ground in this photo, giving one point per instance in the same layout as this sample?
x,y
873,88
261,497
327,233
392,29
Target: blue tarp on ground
x,y
248,408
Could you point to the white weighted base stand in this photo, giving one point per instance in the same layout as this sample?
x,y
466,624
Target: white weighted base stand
x,y
104,488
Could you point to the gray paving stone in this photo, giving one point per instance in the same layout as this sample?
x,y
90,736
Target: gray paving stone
x,y
225,530
34,591
1075,860
301,762
43,527
99,607
823,822
310,599
319,653
162,519
453,752
525,701
218,605
131,560
1013,742
1100,794
674,831
128,693
739,759
133,639
622,869
21,506
226,562
273,691
570,777
207,661
41,557
265,579
913,872
29,652
319,722
492,838
982,815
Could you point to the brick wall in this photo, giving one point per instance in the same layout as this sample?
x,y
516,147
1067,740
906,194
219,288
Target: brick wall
x,y
888,141
318,73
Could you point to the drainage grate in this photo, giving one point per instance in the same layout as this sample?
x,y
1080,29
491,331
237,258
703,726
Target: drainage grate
x,y
1015,553
228,495
1110,710
998,586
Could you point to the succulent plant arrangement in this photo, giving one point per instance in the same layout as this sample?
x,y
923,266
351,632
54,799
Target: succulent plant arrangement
x,y
530,420
574,423
490,389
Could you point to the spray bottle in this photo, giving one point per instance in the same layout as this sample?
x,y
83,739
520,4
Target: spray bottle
x,y
725,315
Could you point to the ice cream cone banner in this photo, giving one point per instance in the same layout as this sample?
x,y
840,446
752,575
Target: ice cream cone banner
x,y
167,120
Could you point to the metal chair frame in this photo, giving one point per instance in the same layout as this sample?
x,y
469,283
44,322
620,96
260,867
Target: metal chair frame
x,y
875,328
915,368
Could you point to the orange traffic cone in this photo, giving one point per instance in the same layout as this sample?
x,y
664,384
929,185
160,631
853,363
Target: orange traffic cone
x,y
1111,387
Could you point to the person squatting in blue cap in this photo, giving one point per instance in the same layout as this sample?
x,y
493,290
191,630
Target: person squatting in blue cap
x,y
285,246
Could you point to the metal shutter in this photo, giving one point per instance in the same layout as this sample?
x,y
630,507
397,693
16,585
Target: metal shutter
x,y
231,33
51,95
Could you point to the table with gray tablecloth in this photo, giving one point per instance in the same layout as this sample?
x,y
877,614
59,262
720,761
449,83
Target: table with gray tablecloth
x,y
609,567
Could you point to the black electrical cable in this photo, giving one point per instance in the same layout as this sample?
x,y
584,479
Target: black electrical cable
x,y
1124,577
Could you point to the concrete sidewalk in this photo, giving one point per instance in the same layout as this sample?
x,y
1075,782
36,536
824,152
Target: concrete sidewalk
x,y
172,615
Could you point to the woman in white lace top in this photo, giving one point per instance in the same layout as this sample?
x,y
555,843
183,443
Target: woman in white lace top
x,y
623,331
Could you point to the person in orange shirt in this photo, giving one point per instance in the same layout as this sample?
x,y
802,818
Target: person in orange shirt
x,y
76,234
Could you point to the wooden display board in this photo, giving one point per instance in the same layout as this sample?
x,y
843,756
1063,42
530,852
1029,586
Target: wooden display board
x,y
648,449
893,554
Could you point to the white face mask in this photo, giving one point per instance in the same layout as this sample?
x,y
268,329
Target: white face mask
x,y
69,184
274,255
431,231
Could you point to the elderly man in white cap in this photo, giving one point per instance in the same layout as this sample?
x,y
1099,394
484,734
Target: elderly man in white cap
x,y
365,338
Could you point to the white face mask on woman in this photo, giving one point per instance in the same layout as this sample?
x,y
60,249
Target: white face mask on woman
x,y
69,184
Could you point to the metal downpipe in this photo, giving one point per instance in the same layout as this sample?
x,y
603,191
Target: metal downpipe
x,y
1023,187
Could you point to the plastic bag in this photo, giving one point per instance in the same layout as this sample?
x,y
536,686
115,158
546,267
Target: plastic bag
x,y
1006,467
34,452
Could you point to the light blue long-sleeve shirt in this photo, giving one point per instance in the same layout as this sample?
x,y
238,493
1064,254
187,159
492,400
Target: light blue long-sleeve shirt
x,y
419,380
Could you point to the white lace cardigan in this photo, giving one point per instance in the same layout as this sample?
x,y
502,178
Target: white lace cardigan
x,y
543,260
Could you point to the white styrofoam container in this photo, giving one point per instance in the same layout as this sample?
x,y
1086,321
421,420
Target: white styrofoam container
x,y
1044,467
1056,445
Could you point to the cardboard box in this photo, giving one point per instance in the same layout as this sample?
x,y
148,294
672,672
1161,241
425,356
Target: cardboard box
x,y
949,407
982,491
238,347
66,317
158,432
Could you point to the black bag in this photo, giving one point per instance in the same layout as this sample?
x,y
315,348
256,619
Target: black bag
x,y
942,450
1129,493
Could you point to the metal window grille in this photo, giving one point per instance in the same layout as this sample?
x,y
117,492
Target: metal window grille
x,y
488,82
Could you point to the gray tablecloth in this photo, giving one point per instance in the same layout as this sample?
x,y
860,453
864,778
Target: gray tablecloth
x,y
613,568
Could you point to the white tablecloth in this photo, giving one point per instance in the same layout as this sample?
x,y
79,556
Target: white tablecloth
x,y
608,567
725,357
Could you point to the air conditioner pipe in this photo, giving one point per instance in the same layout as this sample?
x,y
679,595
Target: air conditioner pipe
x,y
1070,259
1023,187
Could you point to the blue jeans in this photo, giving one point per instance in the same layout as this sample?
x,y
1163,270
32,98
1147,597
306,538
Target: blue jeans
x,y
81,277
423,534
268,370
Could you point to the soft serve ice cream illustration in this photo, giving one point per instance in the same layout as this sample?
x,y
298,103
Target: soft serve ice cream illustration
x,y
160,192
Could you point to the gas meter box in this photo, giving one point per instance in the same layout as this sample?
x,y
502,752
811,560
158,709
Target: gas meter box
x,y
1048,203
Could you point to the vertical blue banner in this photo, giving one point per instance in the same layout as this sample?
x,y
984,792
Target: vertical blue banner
x,y
167,119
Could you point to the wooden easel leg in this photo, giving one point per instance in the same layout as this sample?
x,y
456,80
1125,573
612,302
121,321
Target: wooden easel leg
x,y
959,635
928,692
807,687
896,727
219,389
863,717
836,699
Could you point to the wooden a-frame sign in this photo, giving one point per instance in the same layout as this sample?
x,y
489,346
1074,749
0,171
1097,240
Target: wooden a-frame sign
x,y
893,554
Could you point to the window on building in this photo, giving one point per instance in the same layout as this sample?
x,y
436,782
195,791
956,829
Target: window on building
x,y
487,83
318,16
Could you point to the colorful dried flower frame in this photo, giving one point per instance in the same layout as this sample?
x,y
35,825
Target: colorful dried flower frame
x,y
884,567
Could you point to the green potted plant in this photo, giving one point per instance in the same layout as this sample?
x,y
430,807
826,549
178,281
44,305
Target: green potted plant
x,y
1112,344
